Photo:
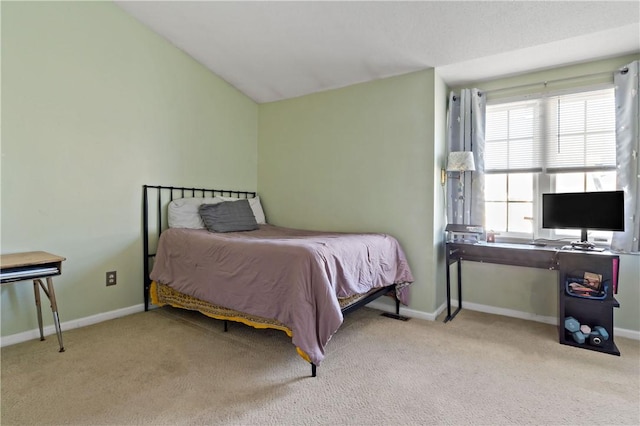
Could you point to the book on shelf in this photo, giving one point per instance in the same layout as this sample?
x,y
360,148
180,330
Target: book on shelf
x,y
592,280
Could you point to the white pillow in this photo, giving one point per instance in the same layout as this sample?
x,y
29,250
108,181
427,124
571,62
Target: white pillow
x,y
256,207
183,212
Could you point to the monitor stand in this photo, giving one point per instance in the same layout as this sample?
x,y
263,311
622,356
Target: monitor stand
x,y
583,246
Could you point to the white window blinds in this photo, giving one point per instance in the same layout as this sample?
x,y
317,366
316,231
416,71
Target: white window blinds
x,y
580,132
512,139
567,133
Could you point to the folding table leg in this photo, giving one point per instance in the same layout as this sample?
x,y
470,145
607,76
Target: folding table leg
x,y
36,290
54,309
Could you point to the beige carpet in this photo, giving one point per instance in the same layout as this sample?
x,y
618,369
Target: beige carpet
x,y
169,367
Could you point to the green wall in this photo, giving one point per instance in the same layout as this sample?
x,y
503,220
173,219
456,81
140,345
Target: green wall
x,y
360,158
94,105
440,100
533,291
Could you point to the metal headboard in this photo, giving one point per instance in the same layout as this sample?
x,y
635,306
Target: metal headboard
x,y
161,196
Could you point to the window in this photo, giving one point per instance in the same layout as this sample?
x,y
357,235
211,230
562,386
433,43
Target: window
x,y
559,143
509,202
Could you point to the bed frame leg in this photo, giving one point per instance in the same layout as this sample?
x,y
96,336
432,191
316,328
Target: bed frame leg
x,y
146,297
313,370
226,326
397,314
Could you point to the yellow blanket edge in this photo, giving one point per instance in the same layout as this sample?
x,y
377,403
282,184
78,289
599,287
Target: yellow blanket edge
x,y
153,290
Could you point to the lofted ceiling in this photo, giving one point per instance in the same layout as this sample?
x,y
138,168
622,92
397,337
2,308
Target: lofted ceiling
x,y
272,50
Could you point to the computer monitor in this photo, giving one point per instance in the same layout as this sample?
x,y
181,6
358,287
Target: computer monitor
x,y
603,210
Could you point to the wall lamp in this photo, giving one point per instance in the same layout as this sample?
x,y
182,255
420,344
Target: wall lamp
x,y
458,161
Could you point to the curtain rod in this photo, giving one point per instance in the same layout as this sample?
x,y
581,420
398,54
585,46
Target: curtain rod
x,y
547,82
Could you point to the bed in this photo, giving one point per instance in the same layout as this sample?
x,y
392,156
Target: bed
x,y
298,281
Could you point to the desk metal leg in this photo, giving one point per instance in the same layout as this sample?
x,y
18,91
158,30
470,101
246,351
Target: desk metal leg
x,y
54,309
448,317
51,294
36,291
459,287
451,316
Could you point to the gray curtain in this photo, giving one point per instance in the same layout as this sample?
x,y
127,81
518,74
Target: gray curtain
x,y
627,159
465,132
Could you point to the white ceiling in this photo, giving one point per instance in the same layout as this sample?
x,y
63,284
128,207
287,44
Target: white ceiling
x,y
277,50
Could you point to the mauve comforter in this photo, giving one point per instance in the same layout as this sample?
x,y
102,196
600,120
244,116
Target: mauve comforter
x,y
294,276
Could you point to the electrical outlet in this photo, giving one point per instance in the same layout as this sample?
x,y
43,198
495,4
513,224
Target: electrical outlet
x,y
111,278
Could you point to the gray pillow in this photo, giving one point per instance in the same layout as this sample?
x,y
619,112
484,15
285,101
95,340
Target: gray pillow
x,y
228,216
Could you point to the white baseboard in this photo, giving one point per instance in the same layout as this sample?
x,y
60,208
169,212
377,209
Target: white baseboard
x,y
625,332
431,316
70,325
620,332
507,312
411,313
